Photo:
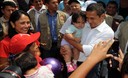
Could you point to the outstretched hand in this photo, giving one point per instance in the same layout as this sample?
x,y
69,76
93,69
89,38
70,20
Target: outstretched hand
x,y
100,50
98,53
120,59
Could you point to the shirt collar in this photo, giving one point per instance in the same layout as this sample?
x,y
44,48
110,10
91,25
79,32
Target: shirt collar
x,y
4,20
41,10
47,12
100,27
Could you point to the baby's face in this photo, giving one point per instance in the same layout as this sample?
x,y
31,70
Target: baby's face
x,y
80,23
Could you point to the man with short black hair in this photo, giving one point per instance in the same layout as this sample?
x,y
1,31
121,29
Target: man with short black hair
x,y
50,23
95,30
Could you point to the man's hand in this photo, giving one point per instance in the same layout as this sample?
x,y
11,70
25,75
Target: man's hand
x,y
120,59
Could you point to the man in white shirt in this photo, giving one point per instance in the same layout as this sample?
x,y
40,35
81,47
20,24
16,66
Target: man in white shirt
x,y
95,30
34,13
75,8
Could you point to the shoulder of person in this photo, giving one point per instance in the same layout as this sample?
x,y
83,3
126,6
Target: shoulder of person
x,y
43,14
62,15
61,12
123,24
30,10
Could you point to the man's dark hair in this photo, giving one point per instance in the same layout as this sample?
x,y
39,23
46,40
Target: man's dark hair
x,y
47,1
96,7
102,3
33,0
8,3
73,1
113,3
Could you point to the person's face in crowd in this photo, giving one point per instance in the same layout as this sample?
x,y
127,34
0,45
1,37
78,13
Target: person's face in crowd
x,y
75,7
22,25
65,2
93,19
34,49
53,5
80,23
38,4
7,11
111,9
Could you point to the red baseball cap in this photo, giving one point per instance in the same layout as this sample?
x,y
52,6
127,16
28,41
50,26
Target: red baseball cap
x,y
20,41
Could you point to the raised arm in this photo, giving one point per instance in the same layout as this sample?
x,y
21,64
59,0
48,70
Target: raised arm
x,y
99,53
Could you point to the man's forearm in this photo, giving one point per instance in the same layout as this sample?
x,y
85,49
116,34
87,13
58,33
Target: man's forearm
x,y
75,44
84,68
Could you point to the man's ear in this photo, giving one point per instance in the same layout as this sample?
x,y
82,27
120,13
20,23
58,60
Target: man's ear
x,y
103,15
12,24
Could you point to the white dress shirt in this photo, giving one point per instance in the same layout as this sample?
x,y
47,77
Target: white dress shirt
x,y
90,37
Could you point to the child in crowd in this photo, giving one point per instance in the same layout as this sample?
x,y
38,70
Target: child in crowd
x,y
27,43
7,8
74,32
27,62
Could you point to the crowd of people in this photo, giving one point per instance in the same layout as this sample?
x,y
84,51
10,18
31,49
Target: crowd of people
x,y
78,33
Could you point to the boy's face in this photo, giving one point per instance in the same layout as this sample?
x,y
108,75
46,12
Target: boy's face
x,y
75,7
80,23
7,11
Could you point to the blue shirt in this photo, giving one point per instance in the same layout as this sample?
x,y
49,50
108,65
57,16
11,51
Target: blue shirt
x,y
52,20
